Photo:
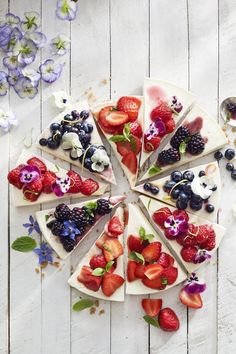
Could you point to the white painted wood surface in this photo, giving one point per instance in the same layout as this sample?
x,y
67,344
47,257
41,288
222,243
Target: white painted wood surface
x,y
191,43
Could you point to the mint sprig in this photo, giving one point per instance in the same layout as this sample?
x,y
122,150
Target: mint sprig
x,y
127,136
144,236
137,257
82,304
24,244
98,272
150,320
154,170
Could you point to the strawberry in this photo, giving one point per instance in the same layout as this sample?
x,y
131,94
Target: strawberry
x,y
210,244
34,161
161,215
89,186
130,161
115,227
101,240
48,179
170,126
153,271
153,284
190,300
103,122
135,244
33,190
115,118
113,267
14,176
110,283
168,321
124,147
169,275
112,249
129,105
92,282
162,111
139,271
188,253
131,267
136,129
151,253
151,143
203,234
75,182
97,261
165,260
126,217
152,306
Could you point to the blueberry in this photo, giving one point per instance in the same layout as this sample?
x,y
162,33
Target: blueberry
x,y
43,142
147,187
74,130
84,114
229,166
181,204
176,176
187,188
75,114
233,174
183,196
189,175
229,154
195,206
202,173
56,136
78,125
91,151
175,193
209,208
85,128
90,128
68,117
218,155
88,163
168,185
55,126
52,144
154,190
67,128
84,138
196,198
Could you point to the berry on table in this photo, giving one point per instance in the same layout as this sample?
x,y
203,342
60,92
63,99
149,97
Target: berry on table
x,y
229,154
210,208
43,141
233,174
154,190
229,166
147,186
201,173
218,155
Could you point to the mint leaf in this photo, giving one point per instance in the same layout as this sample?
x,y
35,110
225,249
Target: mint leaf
x,y
148,237
108,266
47,217
24,244
98,272
117,138
90,207
82,304
126,131
142,232
133,143
154,170
137,257
144,236
182,147
150,320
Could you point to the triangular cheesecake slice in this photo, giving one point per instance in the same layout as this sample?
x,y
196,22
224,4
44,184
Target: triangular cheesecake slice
x,y
100,273
73,136
150,267
198,135
65,226
192,238
165,106
121,123
36,180
196,189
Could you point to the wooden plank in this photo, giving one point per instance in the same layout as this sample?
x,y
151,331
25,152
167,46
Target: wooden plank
x,y
169,61
226,276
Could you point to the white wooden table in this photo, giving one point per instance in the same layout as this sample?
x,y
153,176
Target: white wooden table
x,y
193,44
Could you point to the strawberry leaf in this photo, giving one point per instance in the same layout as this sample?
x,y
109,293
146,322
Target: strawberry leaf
x,y
24,244
118,138
142,232
137,257
150,320
108,266
98,272
82,304
154,170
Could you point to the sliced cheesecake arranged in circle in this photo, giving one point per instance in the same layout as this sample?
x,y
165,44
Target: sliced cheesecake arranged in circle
x,y
197,189
150,267
36,180
165,106
192,238
72,136
65,226
121,123
198,135
100,273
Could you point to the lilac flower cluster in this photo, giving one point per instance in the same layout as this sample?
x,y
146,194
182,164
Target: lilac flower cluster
x,y
20,40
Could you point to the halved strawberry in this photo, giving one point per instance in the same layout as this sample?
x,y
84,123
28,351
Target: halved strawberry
x,y
130,161
115,227
151,143
110,283
129,105
112,249
75,182
90,281
14,176
161,215
161,111
34,161
151,253
100,242
135,243
48,179
131,267
153,284
169,275
124,147
116,118
165,260
33,190
153,271
102,117
89,186
136,129
190,300
152,306
97,261
139,271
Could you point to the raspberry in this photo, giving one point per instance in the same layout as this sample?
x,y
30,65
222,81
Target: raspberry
x,y
97,262
181,134
211,241
161,215
169,156
62,212
203,234
67,243
188,253
196,145
103,207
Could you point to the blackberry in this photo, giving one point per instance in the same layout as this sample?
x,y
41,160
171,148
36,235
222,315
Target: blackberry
x,y
103,207
56,227
79,216
181,134
67,243
62,212
90,216
169,156
196,145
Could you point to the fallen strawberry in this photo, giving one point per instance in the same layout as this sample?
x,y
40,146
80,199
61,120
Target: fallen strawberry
x,y
190,300
168,320
152,306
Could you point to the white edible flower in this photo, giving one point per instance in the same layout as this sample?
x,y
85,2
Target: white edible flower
x,y
203,186
70,140
100,160
61,99
7,120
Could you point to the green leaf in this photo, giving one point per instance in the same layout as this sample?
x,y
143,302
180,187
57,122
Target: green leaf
x,y
98,272
150,320
144,236
142,232
91,206
149,203
126,131
109,265
137,257
118,138
164,281
82,304
154,170
182,147
133,143
24,244
148,237
47,217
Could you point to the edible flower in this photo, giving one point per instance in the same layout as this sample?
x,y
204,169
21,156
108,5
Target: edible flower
x,y
29,174
44,253
175,105
194,285
25,89
11,19
61,99
70,230
7,120
31,21
4,85
25,50
100,160
60,45
61,186
32,225
71,141
176,224
66,9
203,186
50,71
201,256
32,75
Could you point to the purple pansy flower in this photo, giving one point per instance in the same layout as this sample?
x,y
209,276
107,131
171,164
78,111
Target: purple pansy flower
x,y
61,186
29,174
11,19
15,36
38,38
50,71
32,225
25,89
5,33
13,76
70,230
11,61
194,285
176,224
44,253
66,9
60,45
26,51
176,105
155,129
3,83
201,256
30,22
